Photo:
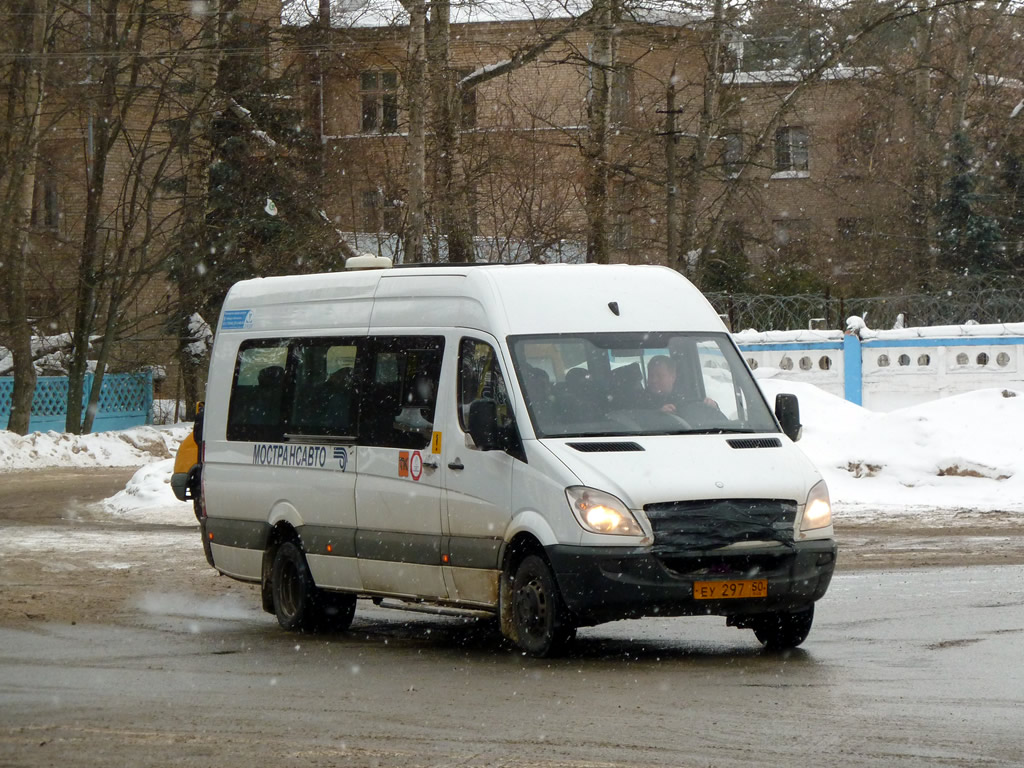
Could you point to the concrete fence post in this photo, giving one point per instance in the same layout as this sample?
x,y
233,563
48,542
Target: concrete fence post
x,y
853,386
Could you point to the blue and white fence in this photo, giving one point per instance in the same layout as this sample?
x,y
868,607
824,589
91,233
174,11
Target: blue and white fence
x,y
885,370
126,400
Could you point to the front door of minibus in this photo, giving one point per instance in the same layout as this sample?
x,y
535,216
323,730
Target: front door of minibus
x,y
478,482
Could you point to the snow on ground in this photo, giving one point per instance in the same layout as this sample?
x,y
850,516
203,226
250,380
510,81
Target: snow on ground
x,y
954,455
146,498
946,458
125,448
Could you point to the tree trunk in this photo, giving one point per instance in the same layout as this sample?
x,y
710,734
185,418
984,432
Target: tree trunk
x,y
193,247
20,342
415,227
706,124
91,257
921,201
602,61
671,192
26,94
452,203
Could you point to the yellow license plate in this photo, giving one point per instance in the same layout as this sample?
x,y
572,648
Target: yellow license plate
x,y
725,590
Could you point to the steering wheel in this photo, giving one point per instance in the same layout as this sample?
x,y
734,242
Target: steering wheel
x,y
704,414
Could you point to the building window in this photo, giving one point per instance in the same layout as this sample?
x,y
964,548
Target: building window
x,y
379,93
791,149
791,235
178,130
381,212
619,80
622,218
467,113
46,199
732,154
857,146
853,230
619,105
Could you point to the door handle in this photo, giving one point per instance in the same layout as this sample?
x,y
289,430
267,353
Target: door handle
x,y
457,464
430,465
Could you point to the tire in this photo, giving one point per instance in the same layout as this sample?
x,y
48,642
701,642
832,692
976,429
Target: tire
x,y
334,611
540,620
207,548
299,604
782,631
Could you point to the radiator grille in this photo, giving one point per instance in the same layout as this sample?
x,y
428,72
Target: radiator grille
x,y
708,524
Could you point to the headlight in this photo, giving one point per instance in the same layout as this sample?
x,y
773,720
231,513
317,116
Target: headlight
x,y
600,512
818,509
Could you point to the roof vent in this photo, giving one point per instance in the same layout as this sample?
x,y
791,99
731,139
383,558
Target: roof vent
x,y
367,261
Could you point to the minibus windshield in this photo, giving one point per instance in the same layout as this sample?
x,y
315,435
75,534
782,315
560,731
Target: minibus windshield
x,y
612,384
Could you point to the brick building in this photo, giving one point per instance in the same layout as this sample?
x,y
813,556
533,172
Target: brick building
x,y
521,138
821,181
121,92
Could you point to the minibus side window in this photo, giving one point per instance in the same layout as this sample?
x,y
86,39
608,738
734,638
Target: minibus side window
x,y
325,398
255,411
401,395
480,379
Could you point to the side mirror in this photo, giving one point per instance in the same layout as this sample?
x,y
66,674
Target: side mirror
x,y
787,411
483,425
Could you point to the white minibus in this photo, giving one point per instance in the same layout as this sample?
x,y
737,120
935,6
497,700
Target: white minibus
x,y
555,446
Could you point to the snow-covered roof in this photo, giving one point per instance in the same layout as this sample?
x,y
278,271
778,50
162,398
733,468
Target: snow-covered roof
x,y
788,76
368,14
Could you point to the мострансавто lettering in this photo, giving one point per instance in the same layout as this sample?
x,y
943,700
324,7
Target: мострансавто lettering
x,y
289,455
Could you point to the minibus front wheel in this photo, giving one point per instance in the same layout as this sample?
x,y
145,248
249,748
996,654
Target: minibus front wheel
x,y
540,619
782,631
298,603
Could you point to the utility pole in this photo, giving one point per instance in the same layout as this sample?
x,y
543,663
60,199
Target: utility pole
x,y
671,192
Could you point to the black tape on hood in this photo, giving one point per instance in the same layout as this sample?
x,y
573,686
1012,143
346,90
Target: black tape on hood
x,y
698,525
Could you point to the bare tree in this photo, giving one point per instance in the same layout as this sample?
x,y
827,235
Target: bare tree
x,y
135,134
19,139
190,253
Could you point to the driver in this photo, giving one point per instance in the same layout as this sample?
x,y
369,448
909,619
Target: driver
x,y
661,382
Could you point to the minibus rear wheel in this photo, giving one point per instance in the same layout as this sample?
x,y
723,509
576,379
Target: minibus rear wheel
x,y
298,603
539,617
782,631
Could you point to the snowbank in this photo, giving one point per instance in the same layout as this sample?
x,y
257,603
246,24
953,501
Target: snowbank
x,y
148,498
125,448
949,457
955,454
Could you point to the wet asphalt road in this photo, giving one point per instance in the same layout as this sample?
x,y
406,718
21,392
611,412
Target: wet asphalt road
x,y
903,668
119,647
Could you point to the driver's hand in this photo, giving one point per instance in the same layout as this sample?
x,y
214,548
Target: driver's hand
x,y
668,408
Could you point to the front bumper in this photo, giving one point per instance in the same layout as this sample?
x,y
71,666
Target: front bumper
x,y
601,584
179,484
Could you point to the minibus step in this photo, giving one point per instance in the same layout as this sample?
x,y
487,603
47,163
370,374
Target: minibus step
x,y
437,610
